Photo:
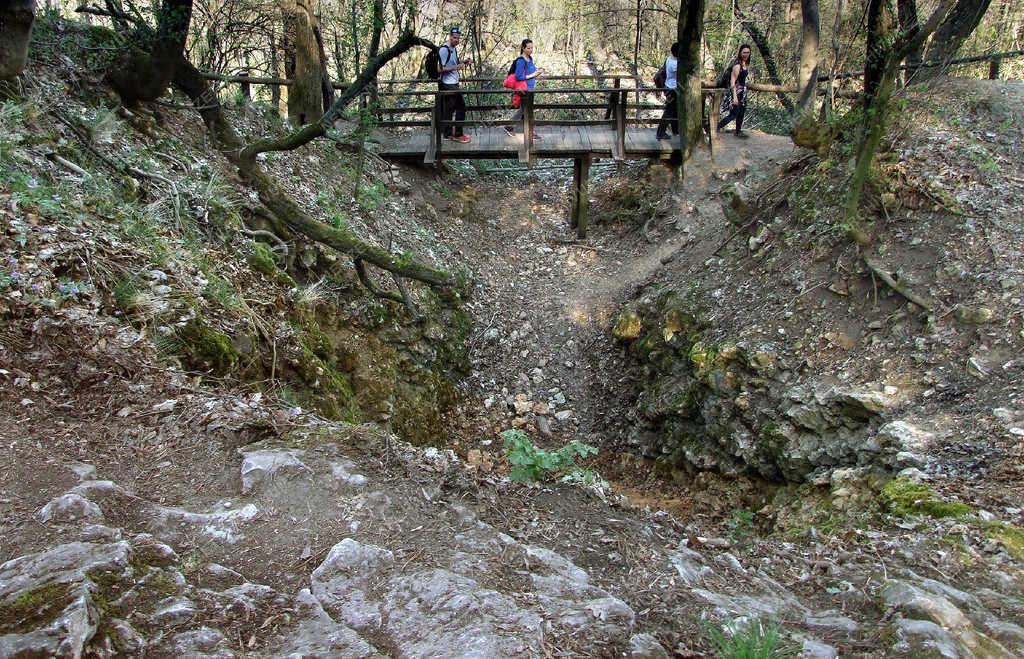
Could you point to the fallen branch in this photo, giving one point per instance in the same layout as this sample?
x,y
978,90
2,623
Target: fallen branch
x,y
736,233
879,270
67,164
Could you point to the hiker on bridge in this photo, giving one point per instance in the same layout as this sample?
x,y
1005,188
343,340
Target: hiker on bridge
x,y
450,67
525,71
670,113
734,102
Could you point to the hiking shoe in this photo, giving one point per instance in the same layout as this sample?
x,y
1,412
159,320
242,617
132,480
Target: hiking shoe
x,y
510,131
462,138
742,135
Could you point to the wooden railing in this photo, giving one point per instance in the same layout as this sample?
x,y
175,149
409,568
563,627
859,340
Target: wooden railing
x,y
624,103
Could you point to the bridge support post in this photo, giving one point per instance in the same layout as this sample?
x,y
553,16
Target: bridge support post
x,y
580,193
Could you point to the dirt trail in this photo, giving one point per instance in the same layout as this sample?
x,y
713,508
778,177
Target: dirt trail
x,y
545,301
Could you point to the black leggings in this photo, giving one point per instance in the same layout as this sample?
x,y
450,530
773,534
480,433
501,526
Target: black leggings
x,y
736,113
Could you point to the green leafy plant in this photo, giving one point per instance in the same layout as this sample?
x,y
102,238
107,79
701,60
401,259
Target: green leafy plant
x,y
371,195
740,525
531,463
751,640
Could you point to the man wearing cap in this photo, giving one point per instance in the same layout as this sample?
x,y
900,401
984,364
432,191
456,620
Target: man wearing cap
x,y
450,66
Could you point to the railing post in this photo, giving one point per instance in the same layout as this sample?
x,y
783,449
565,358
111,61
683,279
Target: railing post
x,y
993,68
716,102
619,144
526,151
433,154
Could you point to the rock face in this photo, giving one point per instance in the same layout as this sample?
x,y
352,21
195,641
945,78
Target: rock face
x,y
135,596
737,407
47,598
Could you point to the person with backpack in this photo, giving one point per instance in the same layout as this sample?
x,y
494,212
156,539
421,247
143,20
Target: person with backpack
x,y
669,116
448,69
734,102
526,73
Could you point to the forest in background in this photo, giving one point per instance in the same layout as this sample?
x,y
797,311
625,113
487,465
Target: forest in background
x,y
266,38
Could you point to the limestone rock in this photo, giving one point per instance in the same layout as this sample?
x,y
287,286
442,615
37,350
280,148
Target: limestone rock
x,y
221,525
320,635
736,202
344,474
203,642
973,315
924,636
70,509
645,646
690,565
815,650
260,466
627,326
50,595
935,607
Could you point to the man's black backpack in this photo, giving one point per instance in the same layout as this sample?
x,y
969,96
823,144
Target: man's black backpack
x,y
432,62
661,78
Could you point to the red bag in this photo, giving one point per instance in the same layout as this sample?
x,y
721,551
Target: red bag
x,y
518,85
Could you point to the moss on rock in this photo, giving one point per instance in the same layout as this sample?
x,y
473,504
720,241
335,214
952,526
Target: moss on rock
x,y
205,347
1009,536
261,259
34,607
904,497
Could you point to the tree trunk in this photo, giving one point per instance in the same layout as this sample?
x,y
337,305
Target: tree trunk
x,y
148,66
636,41
354,24
16,18
377,28
688,75
275,67
339,61
807,78
879,82
303,66
326,87
906,10
952,32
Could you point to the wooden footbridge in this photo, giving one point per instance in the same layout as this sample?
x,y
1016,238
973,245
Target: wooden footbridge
x,y
560,120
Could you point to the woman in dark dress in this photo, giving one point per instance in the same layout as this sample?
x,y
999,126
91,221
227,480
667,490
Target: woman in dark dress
x,y
734,102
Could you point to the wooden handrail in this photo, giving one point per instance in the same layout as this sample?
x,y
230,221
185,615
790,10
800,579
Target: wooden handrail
x,y
973,59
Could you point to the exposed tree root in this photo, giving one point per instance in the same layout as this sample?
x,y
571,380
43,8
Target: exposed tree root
x,y
880,271
276,200
368,283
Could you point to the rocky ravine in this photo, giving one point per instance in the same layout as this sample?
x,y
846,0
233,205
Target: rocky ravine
x,y
410,564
